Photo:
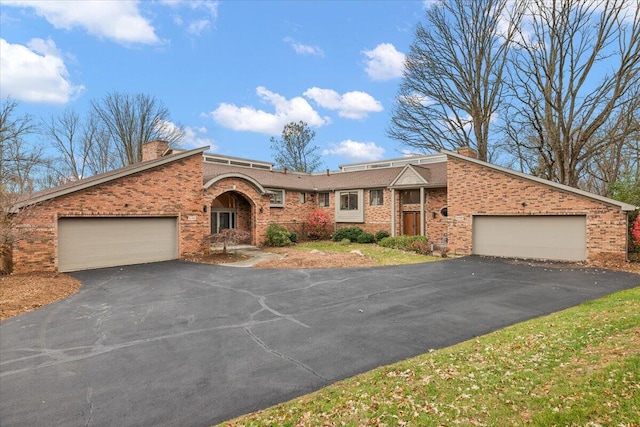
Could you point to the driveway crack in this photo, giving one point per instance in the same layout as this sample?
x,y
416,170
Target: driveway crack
x,y
90,402
283,356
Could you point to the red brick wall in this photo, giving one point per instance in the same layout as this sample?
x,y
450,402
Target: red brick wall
x,y
436,224
377,217
475,189
173,189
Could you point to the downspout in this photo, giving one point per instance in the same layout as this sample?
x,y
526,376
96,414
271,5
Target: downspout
x,y
626,246
422,211
393,212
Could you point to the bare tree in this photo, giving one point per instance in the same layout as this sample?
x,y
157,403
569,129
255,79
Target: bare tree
x,y
103,155
619,158
574,69
132,120
453,78
293,151
18,162
84,148
18,159
65,134
227,237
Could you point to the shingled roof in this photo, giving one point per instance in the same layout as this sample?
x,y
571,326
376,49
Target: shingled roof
x,y
434,173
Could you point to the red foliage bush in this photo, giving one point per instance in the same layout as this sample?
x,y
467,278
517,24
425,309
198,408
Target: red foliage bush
x,y
635,230
317,224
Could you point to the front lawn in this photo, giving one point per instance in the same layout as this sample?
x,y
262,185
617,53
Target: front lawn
x,y
382,256
578,367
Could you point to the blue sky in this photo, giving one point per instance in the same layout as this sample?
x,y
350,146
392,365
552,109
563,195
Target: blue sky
x,y
233,73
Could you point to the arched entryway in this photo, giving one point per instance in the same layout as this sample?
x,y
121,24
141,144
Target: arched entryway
x,y
232,210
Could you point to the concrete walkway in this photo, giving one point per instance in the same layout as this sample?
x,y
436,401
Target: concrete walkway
x,y
256,255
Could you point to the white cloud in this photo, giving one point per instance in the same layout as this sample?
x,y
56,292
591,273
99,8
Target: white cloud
x,y
119,21
196,138
195,26
351,105
416,99
384,62
427,4
35,73
253,120
354,150
303,49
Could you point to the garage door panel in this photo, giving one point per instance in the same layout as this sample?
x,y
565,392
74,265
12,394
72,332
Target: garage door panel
x,y
544,237
85,243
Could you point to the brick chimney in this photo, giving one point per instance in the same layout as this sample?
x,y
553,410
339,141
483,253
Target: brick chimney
x,y
153,149
468,152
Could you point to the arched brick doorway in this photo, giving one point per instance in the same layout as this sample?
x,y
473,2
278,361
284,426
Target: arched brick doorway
x,y
244,197
232,210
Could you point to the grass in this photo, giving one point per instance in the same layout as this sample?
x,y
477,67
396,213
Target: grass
x,y
578,367
382,256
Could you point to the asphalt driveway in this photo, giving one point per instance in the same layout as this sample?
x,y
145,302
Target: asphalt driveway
x,y
187,344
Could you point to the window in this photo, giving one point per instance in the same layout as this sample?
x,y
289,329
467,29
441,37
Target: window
x,y
323,200
303,197
349,206
410,197
376,197
222,219
348,200
277,197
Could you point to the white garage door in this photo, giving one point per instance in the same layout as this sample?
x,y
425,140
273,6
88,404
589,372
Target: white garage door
x,y
85,243
543,237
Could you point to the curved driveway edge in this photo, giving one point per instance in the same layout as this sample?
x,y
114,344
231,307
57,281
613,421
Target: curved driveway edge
x,y
185,344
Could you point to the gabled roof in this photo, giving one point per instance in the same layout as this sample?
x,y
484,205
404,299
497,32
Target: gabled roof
x,y
623,206
102,178
415,176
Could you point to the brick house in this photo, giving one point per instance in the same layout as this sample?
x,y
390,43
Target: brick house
x,y
161,209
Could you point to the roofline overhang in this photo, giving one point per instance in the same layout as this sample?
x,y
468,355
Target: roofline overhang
x,y
625,207
413,186
109,176
247,178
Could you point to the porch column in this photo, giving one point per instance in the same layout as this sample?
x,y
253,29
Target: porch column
x,y
422,211
393,212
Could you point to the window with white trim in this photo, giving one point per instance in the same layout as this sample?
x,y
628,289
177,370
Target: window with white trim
x,y
323,200
348,200
349,206
376,197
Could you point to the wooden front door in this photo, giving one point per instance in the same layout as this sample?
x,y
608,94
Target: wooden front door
x,y
411,221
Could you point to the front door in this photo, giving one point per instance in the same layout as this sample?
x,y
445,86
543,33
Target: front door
x,y
411,221
222,220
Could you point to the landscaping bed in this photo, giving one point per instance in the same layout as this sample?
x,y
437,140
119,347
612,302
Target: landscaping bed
x,y
21,293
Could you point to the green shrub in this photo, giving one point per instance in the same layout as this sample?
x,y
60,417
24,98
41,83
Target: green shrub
x,y
278,236
401,242
381,235
420,247
293,236
345,242
351,233
366,238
